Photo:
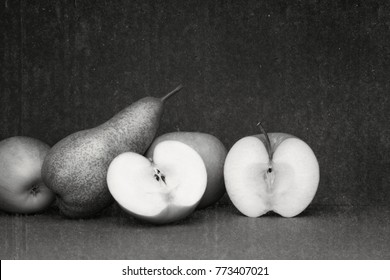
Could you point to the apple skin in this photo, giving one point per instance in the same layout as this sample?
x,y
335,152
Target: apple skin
x,y
21,187
213,153
292,184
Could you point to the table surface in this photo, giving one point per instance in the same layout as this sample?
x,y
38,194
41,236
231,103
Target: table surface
x,y
218,232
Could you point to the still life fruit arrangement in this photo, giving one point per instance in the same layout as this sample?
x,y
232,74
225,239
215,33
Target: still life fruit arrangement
x,y
156,179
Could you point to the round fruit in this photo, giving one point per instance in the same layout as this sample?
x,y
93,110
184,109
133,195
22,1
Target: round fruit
x,y
21,186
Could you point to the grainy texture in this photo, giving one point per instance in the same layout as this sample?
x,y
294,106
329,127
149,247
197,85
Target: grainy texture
x,y
213,233
10,65
319,70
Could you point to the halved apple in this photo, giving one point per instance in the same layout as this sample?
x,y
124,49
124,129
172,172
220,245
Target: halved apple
x,y
271,172
213,153
160,190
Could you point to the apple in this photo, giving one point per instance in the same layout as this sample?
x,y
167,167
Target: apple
x,y
21,187
271,172
163,189
213,153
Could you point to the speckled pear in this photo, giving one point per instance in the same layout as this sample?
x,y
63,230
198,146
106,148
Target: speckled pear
x,y
75,169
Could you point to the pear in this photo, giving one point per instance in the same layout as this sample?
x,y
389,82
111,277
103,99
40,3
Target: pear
x,y
75,168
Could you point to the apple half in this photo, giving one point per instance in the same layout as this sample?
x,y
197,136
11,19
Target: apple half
x,y
271,172
163,189
213,153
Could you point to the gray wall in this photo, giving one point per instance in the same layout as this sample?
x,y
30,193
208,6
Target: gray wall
x,y
317,69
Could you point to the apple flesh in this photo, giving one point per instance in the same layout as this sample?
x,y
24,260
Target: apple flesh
x,y
213,153
271,172
160,190
21,187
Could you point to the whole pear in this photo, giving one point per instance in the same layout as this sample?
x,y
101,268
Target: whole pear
x,y
75,169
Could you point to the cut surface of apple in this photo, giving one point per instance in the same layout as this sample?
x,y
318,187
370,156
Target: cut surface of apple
x,y
213,153
282,177
163,189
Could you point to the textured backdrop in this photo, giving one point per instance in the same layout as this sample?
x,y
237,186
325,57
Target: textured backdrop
x,y
317,69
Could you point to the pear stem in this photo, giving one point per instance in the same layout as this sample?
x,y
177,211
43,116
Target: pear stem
x,y
267,141
169,94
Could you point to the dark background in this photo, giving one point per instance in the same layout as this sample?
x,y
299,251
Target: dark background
x,y
317,69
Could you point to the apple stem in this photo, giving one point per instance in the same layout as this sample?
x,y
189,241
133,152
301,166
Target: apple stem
x,y
169,94
267,142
